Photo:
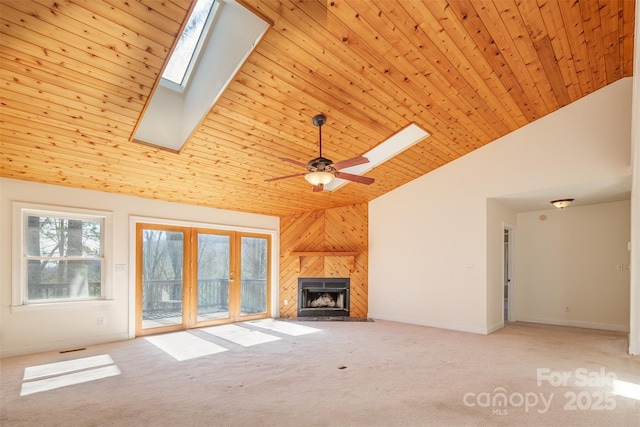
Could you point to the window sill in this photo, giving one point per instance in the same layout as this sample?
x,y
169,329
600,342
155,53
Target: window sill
x,y
66,305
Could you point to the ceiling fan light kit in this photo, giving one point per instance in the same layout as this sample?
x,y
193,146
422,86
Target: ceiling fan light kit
x,y
322,171
319,177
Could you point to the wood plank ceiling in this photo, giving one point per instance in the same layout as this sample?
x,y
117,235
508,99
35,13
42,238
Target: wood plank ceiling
x,y
76,75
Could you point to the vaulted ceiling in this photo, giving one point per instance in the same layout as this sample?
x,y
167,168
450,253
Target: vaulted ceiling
x,y
76,76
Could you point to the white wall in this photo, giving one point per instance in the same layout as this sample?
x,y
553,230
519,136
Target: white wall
x,y
28,331
428,258
577,258
634,329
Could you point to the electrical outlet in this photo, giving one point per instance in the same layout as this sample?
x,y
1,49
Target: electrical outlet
x,y
566,309
286,302
101,321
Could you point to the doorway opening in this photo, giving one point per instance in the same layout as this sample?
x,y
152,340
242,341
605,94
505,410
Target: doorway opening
x,y
509,300
192,277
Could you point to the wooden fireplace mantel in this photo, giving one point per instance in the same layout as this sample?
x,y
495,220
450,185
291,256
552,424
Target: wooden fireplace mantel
x,y
352,257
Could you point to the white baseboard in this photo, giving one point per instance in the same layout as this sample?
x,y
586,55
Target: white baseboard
x,y
62,345
421,322
494,328
576,324
634,346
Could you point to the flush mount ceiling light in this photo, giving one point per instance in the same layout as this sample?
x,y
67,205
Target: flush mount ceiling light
x,y
562,203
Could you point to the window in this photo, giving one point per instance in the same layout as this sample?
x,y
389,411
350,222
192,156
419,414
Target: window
x,y
185,55
61,255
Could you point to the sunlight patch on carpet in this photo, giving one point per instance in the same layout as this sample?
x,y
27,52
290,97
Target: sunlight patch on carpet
x,y
82,370
626,389
286,328
33,372
239,335
184,346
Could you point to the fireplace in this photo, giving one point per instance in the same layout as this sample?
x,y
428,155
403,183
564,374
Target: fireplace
x,y
323,297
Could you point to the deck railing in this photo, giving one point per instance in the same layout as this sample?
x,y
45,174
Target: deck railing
x,y
253,296
52,291
165,296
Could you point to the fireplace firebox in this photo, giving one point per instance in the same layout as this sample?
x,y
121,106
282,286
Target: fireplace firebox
x,y
323,297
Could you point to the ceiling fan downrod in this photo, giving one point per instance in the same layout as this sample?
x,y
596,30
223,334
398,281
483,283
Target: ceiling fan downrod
x,y
319,120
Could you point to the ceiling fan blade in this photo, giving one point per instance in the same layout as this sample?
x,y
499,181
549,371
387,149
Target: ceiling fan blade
x,y
283,177
295,162
350,162
317,188
355,178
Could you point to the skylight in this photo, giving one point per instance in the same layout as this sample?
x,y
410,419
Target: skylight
x,y
186,52
174,111
393,146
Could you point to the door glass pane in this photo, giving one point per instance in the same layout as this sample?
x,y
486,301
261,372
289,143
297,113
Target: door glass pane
x,y
253,298
162,278
213,276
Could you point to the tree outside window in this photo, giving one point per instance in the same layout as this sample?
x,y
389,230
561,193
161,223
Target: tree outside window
x,y
64,257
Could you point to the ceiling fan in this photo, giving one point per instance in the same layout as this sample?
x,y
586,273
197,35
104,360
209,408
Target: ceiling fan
x,y
321,170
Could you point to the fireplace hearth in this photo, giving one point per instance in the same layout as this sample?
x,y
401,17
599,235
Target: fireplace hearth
x,y
319,297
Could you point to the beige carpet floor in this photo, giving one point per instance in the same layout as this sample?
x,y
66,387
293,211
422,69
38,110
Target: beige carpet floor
x,y
344,374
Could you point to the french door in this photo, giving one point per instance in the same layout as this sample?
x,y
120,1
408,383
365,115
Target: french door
x,y
193,277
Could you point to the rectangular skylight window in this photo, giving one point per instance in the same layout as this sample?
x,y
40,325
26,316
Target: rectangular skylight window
x,y
229,35
393,146
186,52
